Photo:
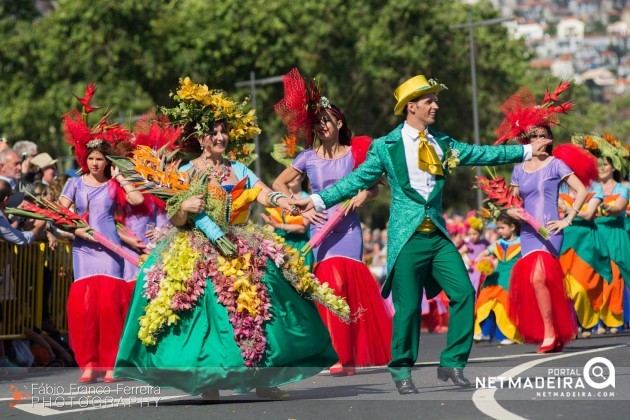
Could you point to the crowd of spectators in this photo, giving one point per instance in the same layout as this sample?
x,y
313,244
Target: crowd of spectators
x,y
26,174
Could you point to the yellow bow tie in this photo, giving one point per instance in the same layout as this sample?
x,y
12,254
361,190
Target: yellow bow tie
x,y
428,159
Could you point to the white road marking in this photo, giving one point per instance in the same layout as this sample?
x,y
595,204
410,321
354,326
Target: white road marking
x,y
484,398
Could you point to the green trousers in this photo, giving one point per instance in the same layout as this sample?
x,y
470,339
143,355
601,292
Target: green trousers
x,y
423,257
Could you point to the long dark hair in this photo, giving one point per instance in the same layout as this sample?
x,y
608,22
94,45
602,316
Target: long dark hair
x,y
106,149
616,173
190,145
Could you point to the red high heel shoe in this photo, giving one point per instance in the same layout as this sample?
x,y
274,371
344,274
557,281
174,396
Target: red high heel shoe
x,y
88,379
556,346
341,370
109,377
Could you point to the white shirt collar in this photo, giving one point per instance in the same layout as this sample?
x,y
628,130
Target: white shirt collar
x,y
412,132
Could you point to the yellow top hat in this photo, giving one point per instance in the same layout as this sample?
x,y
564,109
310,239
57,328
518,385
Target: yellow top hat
x,y
413,88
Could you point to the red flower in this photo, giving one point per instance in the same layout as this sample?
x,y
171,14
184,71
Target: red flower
x,y
85,101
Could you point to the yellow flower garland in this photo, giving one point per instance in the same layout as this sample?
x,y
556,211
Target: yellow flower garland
x,y
238,268
179,262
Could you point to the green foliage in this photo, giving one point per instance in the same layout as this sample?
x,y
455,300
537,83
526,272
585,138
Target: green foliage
x,y
135,51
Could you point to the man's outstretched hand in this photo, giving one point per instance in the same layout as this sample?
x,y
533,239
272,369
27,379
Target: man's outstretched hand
x,y
538,147
304,204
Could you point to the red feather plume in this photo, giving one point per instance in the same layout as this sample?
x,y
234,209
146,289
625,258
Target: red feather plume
x,y
298,108
359,147
155,133
522,113
582,163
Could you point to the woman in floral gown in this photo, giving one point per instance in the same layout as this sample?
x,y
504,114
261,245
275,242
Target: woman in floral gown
x,y
218,304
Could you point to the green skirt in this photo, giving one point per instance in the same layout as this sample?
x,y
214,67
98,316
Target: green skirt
x,y
613,229
200,353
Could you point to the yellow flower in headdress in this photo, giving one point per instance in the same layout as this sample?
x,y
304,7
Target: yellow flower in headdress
x,y
199,108
475,223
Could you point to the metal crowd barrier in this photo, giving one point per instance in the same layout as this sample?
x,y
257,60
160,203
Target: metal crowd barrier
x,y
33,280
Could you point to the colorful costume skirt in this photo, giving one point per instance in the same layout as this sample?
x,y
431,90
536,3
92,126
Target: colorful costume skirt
x,y
618,242
524,310
494,297
586,264
97,307
367,340
200,353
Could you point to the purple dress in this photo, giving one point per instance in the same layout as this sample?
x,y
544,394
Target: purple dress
x,y
539,190
99,297
366,342
345,240
90,258
136,222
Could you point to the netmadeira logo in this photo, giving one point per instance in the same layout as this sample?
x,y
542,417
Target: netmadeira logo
x,y
595,380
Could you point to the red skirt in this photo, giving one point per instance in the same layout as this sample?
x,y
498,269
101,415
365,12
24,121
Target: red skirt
x,y
524,311
97,307
365,341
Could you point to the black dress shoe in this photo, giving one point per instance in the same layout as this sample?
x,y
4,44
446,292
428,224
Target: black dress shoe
x,y
406,386
454,374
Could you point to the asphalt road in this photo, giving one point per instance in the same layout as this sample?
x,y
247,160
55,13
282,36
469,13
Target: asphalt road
x,y
510,382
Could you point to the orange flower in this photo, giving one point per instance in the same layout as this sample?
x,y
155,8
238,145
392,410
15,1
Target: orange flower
x,y
611,139
590,143
289,144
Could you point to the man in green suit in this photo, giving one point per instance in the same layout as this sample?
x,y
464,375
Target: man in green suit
x,y
416,161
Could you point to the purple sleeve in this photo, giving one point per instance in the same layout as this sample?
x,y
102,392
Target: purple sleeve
x,y
299,162
562,169
70,190
516,175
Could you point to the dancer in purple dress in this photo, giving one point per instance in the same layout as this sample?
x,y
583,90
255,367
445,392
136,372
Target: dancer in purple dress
x,y
365,342
99,296
540,308
539,305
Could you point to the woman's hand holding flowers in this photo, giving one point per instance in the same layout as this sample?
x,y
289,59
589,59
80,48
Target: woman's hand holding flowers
x,y
194,204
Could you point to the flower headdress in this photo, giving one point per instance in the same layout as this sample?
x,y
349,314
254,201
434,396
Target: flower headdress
x,y
286,151
81,136
299,108
474,222
606,146
522,113
199,108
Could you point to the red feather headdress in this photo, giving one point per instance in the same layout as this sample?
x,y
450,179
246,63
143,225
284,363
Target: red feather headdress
x,y
299,108
156,132
78,133
522,113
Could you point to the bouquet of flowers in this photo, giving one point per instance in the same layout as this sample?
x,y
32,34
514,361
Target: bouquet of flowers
x,y
500,197
67,219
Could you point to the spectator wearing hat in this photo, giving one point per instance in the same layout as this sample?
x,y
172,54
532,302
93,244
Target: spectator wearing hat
x,y
46,166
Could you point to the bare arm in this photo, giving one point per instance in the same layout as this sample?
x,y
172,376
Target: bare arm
x,y
617,208
580,196
281,183
263,198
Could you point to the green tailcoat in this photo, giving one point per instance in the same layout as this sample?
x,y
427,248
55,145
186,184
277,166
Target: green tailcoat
x,y
408,208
